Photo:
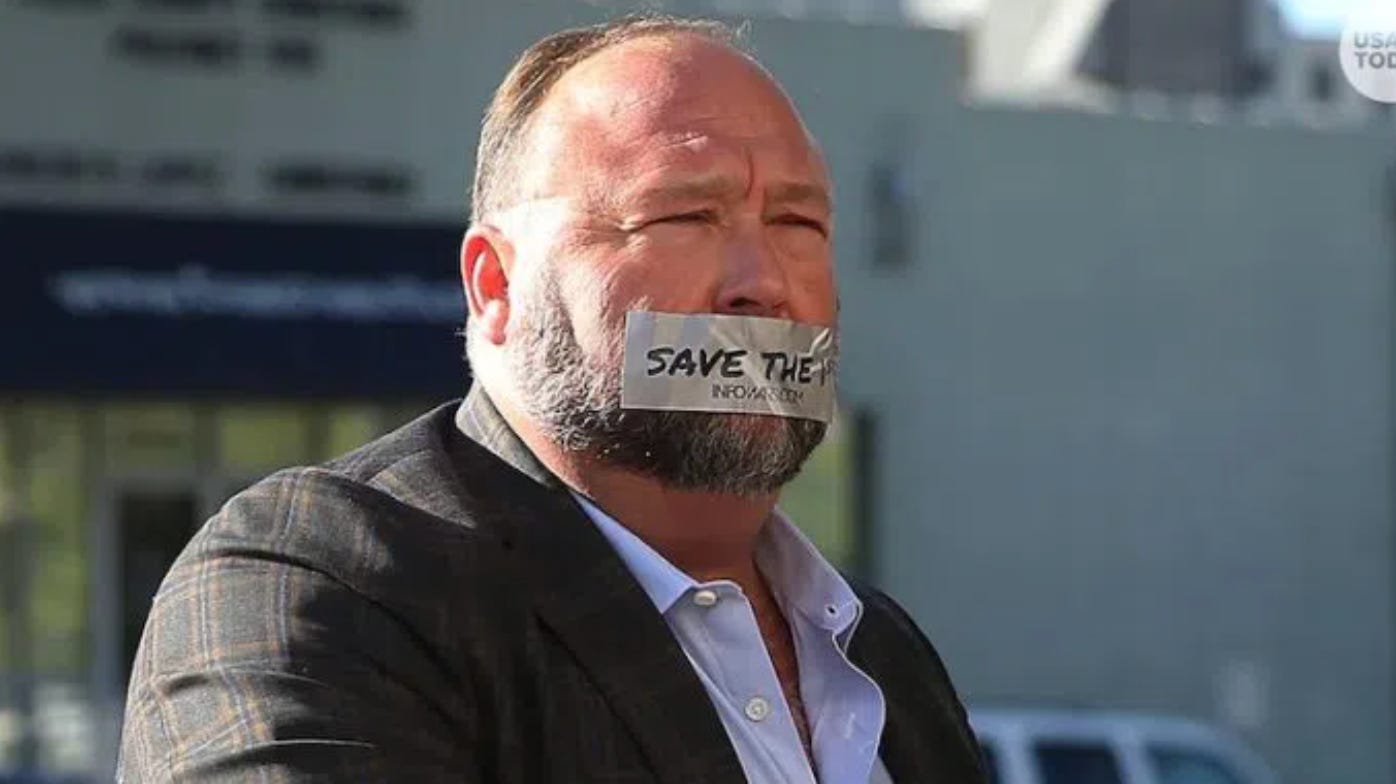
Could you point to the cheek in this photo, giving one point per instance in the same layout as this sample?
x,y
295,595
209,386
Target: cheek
x,y
597,300
812,286
666,273
815,301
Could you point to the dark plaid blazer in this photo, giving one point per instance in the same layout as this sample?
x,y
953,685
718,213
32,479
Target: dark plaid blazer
x,y
434,607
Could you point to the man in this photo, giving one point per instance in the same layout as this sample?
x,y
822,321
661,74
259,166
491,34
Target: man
x,y
550,582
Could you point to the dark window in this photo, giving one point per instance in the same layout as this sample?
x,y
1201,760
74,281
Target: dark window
x,y
1321,82
866,470
63,5
1069,762
313,178
369,13
57,165
293,54
182,171
153,526
203,50
1186,766
991,762
891,214
186,5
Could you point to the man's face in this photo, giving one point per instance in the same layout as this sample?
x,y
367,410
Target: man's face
x,y
669,175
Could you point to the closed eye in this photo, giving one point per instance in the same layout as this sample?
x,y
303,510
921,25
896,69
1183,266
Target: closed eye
x,y
800,221
698,216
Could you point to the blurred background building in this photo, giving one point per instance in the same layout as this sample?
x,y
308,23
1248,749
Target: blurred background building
x,y
1118,313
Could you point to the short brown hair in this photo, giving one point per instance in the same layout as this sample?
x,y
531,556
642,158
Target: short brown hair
x,y
528,82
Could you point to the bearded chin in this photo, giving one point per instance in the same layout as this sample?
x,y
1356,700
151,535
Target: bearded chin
x,y
576,401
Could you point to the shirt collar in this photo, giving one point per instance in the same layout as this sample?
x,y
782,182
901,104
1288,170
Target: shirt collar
x,y
663,582
803,579
799,575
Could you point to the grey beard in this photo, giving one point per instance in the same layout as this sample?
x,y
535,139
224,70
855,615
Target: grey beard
x,y
577,404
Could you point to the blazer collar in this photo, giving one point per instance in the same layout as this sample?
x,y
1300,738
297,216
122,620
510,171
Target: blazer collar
x,y
479,420
584,593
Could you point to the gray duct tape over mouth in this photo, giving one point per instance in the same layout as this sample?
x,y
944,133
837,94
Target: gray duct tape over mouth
x,y
731,364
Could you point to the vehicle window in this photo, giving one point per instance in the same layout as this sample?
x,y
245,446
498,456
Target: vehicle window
x,y
1187,766
1064,762
991,762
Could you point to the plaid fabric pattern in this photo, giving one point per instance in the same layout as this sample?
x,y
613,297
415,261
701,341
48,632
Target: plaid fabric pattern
x,y
433,607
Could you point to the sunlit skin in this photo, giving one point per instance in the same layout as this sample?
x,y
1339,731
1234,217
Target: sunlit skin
x,y
670,174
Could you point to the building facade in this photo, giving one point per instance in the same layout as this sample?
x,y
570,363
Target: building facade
x,y
1118,390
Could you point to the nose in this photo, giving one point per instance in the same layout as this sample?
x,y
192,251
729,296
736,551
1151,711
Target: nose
x,y
754,281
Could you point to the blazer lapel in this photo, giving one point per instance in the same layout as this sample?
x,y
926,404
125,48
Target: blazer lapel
x,y
585,594
898,749
924,737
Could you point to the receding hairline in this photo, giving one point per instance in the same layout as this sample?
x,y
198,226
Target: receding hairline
x,y
531,84
660,43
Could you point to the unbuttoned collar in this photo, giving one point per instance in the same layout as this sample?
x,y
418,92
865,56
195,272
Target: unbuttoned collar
x,y
799,575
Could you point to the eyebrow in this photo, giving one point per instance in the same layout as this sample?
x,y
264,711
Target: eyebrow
x,y
717,187
694,189
801,193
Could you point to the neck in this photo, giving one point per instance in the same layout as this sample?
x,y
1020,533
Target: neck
x,y
706,535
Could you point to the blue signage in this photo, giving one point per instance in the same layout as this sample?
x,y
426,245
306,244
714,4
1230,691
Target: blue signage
x,y
103,302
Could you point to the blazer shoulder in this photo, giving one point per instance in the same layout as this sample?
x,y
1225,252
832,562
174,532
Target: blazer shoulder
x,y
883,609
314,621
423,434
894,629
398,508
348,530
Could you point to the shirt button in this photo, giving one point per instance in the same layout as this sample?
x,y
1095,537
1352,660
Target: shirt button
x,y
757,709
705,598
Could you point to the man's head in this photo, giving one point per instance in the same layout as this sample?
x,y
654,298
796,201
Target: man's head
x,y
642,165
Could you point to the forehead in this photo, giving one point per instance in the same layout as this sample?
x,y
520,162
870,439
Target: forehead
x,y
669,102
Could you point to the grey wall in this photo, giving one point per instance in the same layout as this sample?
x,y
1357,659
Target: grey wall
x,y
1135,394
1155,415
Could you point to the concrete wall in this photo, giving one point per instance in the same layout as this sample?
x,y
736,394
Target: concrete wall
x,y
1134,394
1136,403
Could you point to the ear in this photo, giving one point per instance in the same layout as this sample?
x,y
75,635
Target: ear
x,y
486,258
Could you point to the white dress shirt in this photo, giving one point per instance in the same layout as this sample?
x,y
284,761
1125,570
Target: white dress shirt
x,y
715,626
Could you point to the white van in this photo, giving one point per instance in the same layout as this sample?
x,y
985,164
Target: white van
x,y
1065,746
